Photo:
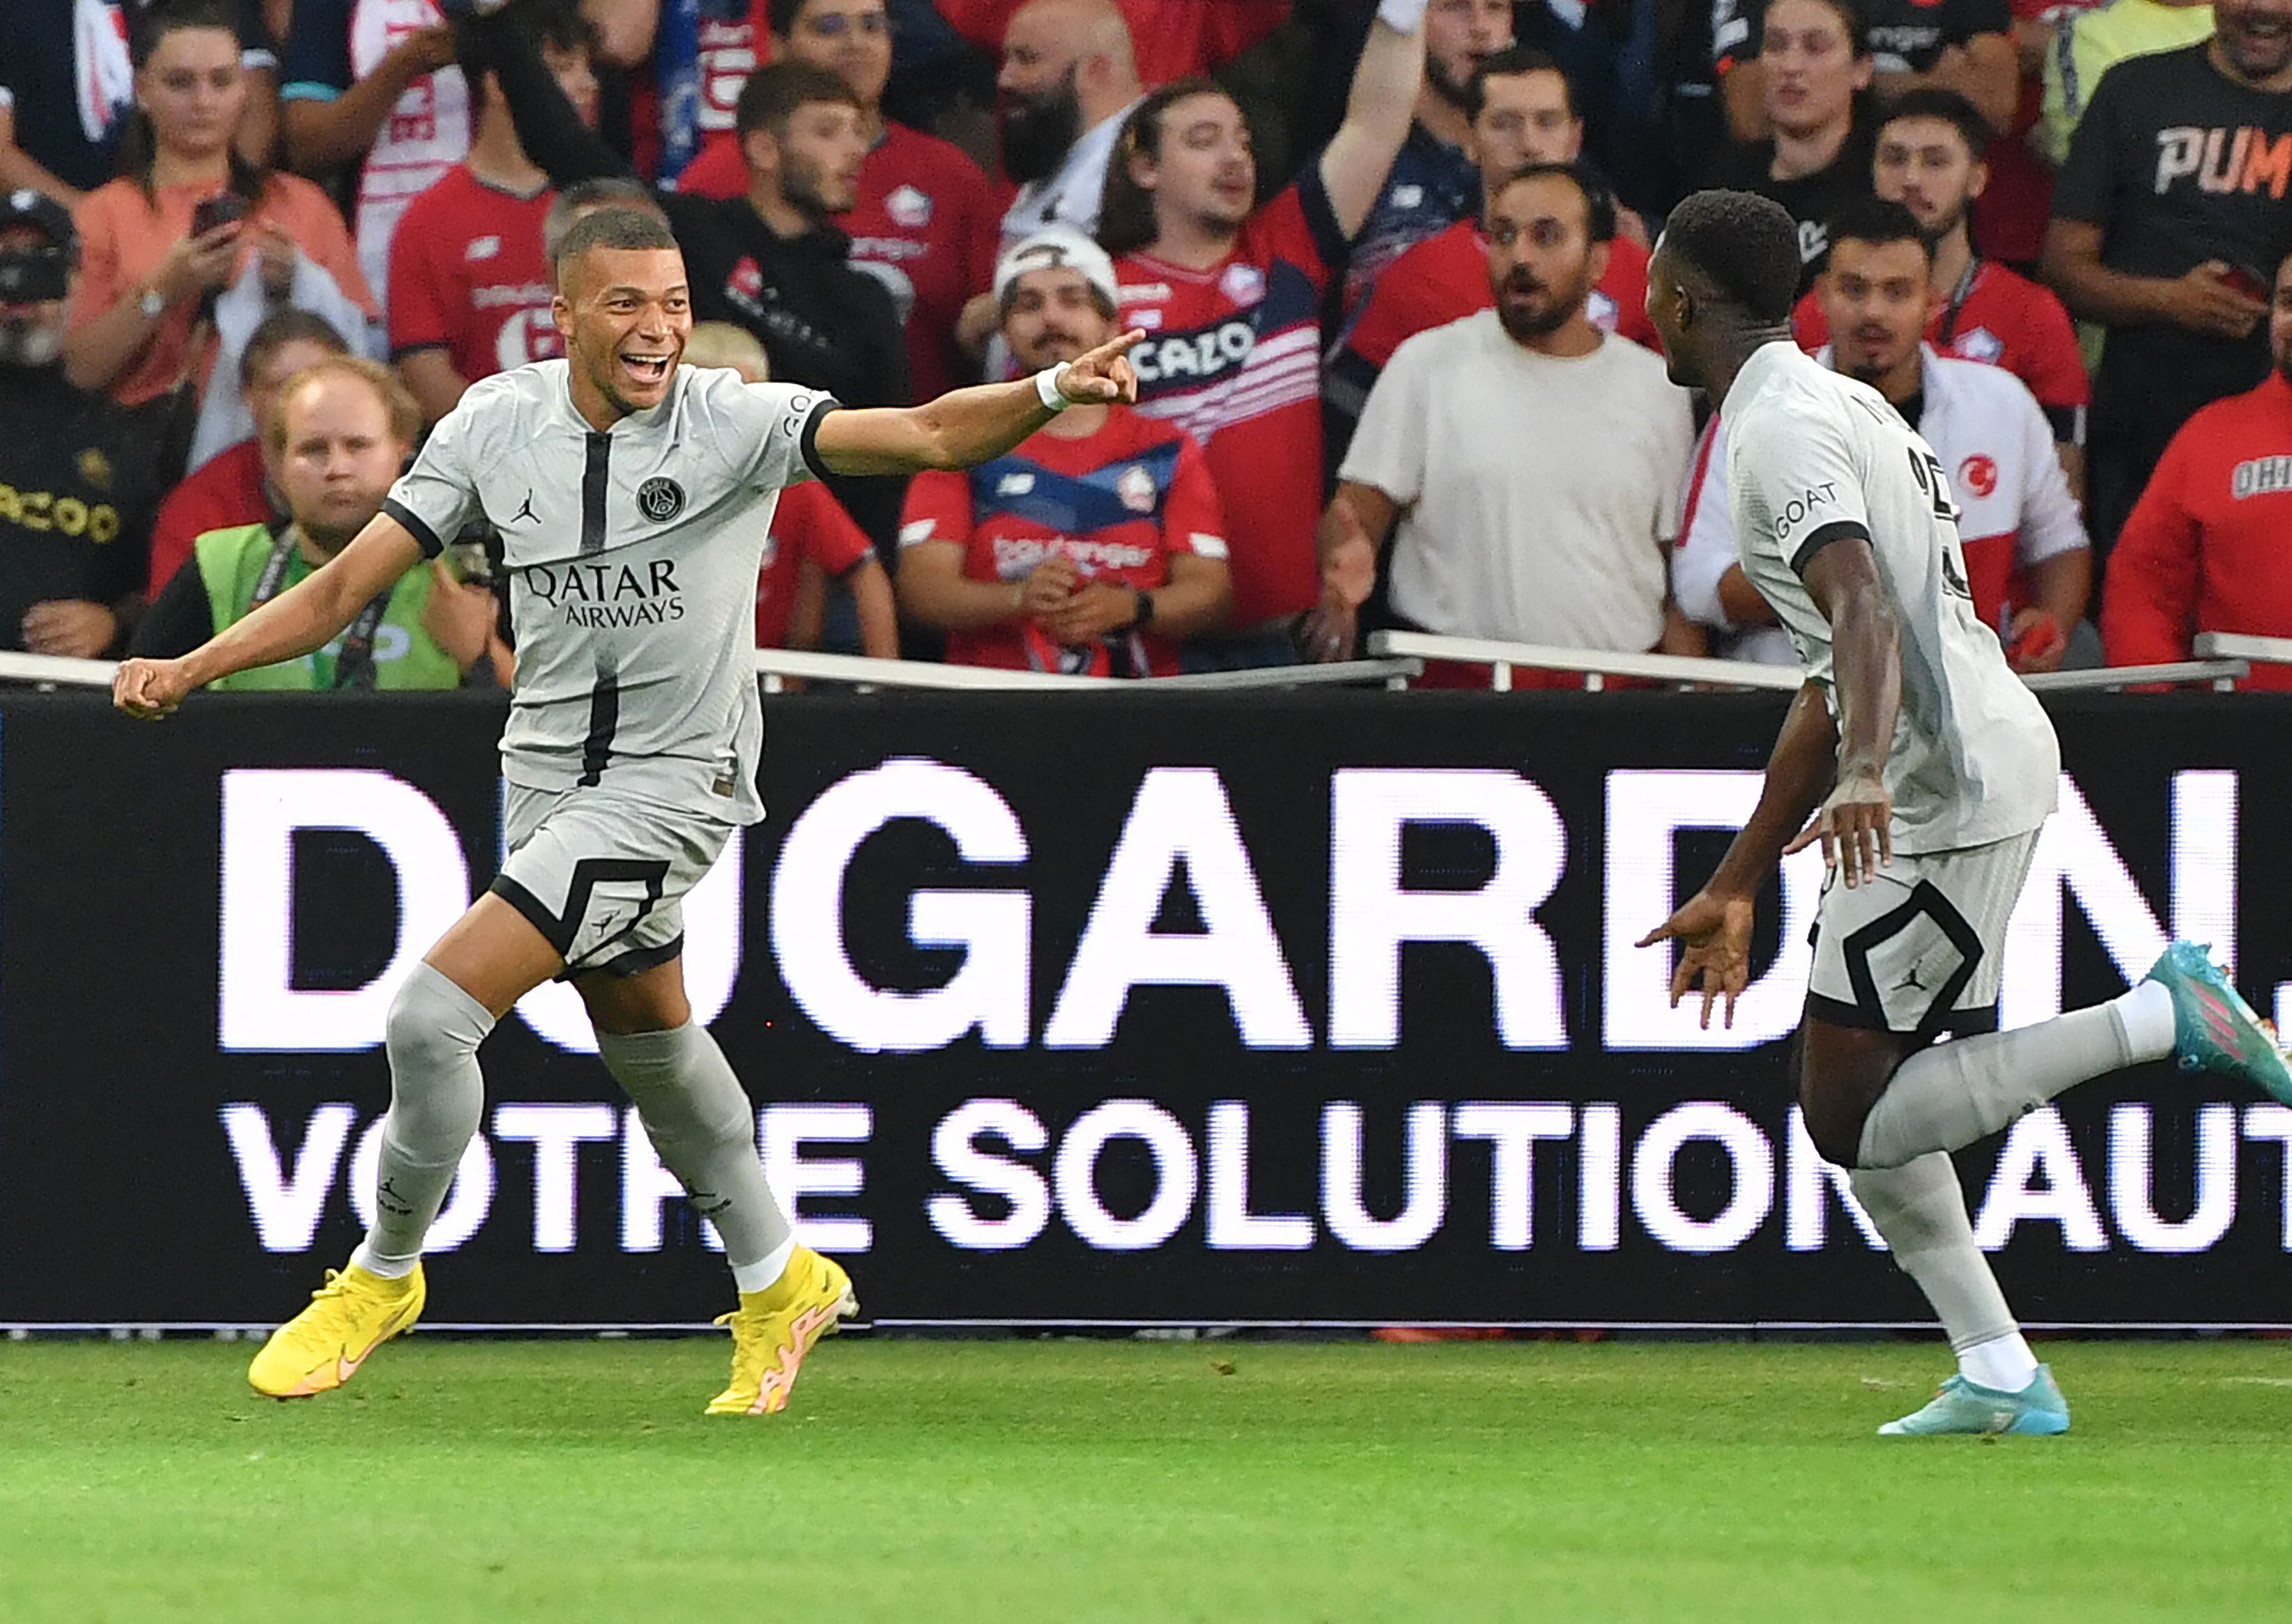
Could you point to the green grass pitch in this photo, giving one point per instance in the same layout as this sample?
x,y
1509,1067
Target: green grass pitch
x,y
1043,1480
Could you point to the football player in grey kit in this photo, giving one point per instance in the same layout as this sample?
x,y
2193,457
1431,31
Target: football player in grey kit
x,y
1925,767
633,497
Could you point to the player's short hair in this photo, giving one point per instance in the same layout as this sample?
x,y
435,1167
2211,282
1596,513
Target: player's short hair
x,y
397,400
1877,223
1599,202
1948,107
585,197
1744,245
775,91
1126,214
720,343
1853,16
629,229
283,326
1512,62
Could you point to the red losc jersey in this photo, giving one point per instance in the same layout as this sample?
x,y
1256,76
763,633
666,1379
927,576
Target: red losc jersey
x,y
1117,503
807,523
926,224
468,275
1233,357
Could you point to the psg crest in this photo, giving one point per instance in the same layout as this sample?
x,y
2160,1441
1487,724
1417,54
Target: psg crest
x,y
660,499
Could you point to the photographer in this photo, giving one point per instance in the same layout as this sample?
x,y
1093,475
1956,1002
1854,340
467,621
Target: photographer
x,y
75,493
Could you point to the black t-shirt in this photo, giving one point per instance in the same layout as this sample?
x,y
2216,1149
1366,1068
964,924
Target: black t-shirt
x,y
51,49
1903,36
1811,199
75,498
2177,165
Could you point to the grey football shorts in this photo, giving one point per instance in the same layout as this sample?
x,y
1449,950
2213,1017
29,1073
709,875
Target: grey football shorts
x,y
1919,950
603,875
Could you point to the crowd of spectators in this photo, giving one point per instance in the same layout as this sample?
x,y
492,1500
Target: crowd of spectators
x,y
1390,256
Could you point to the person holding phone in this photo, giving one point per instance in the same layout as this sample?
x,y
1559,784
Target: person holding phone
x,y
184,219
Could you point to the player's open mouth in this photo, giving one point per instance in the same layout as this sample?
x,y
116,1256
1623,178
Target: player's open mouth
x,y
647,368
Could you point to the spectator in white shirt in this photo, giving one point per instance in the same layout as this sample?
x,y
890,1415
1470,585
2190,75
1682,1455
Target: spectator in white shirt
x,y
1527,465
2027,563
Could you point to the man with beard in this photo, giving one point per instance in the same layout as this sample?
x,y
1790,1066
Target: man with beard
x,y
75,505
1434,183
1929,159
1096,546
2169,210
1522,114
1532,463
770,261
925,222
2204,548
2028,564
1070,76
338,435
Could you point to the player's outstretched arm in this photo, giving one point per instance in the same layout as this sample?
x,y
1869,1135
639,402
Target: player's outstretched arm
x,y
966,427
307,615
1714,926
1855,824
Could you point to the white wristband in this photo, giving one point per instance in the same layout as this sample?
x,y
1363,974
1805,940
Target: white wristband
x,y
1047,385
1402,16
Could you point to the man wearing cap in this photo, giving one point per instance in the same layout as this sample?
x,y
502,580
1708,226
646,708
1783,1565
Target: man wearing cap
x,y
1094,547
75,498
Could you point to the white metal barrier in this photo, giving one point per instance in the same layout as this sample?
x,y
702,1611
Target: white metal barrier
x,y
55,672
1504,658
776,665
2236,646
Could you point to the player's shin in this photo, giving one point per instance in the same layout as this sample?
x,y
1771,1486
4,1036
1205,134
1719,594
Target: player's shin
x,y
1920,1210
436,1096
703,1129
1948,1095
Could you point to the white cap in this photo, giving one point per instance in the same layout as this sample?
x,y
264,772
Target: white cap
x,y
1050,248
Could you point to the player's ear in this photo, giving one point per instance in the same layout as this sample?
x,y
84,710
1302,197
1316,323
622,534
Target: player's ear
x,y
560,313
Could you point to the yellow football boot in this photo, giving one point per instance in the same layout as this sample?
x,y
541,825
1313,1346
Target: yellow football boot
x,y
774,1330
350,1316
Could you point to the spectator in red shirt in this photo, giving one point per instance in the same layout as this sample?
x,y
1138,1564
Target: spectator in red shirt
x,y
470,287
234,488
1096,546
1522,114
1176,37
1927,159
1231,295
2203,549
926,223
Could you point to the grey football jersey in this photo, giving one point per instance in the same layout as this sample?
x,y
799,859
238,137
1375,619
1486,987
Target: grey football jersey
x,y
633,559
1814,457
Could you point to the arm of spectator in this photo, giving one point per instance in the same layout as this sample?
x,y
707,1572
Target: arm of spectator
x,y
75,628
878,612
463,618
257,136
2201,298
179,619
1196,596
2052,550
1352,534
2059,589
624,28
934,591
20,169
1743,94
807,607
2149,600
547,124
1379,109
1985,70
101,345
332,133
429,373
1681,637
2033,38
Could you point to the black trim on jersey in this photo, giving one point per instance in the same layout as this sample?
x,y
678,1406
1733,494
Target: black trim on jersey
x,y
559,930
1821,537
416,527
807,443
604,721
1959,1023
596,484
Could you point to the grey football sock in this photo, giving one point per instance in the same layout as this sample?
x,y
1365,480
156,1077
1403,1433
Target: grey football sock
x,y
436,1096
1921,1210
703,1129
1948,1095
